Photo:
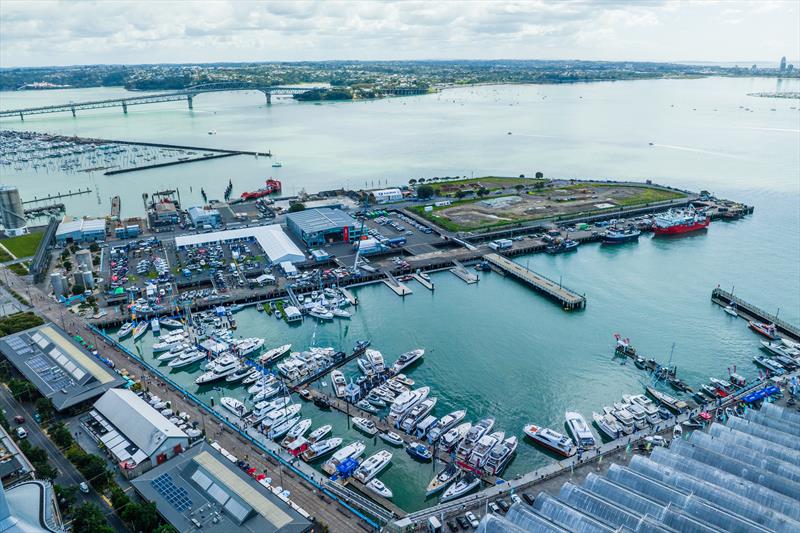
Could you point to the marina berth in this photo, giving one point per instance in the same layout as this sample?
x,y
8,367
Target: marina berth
x,y
372,466
380,489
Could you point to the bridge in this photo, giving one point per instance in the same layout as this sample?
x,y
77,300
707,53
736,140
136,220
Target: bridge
x,y
187,94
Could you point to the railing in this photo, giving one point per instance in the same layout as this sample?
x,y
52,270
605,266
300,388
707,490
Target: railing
x,y
753,310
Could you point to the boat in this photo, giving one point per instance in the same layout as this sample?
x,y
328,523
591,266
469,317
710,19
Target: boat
x,y
187,358
480,453
771,365
678,384
140,329
260,383
372,362
320,448
364,425
403,380
424,426
170,323
321,313
281,428
392,438
650,409
297,431
275,418
552,440
731,309
473,436
454,435
500,455
767,330
125,330
618,236
272,186
380,489
780,349
674,222
364,405
445,423
240,374
322,402
223,367
608,424
679,406
155,326
624,419
403,403
252,378
262,408
442,479
319,433
376,400
340,313
372,466
420,452
416,415
351,451
233,405
567,245
407,359
277,164
339,383
463,486
249,345
712,392
274,353
580,430
175,351
638,413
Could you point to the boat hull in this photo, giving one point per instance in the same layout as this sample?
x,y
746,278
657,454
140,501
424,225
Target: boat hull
x,y
678,229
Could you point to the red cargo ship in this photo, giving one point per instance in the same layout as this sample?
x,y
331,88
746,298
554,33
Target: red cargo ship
x,y
674,222
271,187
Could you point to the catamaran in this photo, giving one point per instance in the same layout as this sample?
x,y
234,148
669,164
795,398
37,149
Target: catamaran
x,y
480,454
473,436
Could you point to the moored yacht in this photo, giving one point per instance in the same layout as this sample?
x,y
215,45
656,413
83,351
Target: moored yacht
x,y
278,416
125,330
500,455
320,448
403,403
351,451
372,466
392,438
623,417
319,433
473,436
552,440
480,454
445,423
580,430
339,383
463,486
608,425
240,374
407,359
416,414
650,409
233,405
297,431
187,358
274,353
224,366
281,428
140,329
638,414
365,425
454,435
249,345
442,479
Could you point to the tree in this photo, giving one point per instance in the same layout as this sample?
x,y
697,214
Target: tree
x,y
118,498
539,185
297,206
67,265
165,528
522,175
141,517
94,247
519,187
412,182
66,496
45,408
61,435
539,175
424,192
461,194
88,518
483,191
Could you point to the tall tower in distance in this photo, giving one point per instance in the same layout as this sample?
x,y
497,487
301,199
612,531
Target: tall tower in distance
x,y
782,68
12,214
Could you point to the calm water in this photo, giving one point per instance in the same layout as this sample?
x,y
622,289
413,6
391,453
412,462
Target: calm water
x,y
496,348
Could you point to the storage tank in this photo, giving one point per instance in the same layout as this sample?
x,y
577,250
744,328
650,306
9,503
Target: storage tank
x,y
85,279
84,260
12,214
59,283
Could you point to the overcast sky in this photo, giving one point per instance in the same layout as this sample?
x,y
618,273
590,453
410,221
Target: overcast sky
x,y
44,32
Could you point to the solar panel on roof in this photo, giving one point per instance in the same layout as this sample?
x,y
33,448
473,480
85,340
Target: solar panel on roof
x,y
173,494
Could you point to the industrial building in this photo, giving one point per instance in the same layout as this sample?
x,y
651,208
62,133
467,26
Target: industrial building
x,y
273,240
316,227
30,507
203,489
384,196
739,476
58,366
80,230
201,217
133,433
12,214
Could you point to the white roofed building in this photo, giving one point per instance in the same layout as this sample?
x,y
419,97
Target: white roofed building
x,y
272,239
137,436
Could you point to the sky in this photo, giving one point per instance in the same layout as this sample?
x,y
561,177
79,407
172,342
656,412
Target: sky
x,y
51,32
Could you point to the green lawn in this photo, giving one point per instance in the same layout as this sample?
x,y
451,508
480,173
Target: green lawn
x,y
19,269
24,245
5,256
492,183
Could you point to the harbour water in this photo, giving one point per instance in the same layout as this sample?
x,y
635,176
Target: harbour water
x,y
496,348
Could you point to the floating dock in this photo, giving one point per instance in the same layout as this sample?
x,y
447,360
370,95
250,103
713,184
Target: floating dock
x,y
749,311
568,299
422,281
460,271
398,288
350,297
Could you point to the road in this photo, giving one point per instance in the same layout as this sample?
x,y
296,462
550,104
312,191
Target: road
x,y
323,508
68,475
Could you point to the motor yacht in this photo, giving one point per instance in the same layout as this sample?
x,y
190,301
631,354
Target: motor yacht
x,y
320,448
453,436
187,358
473,436
274,354
281,428
321,313
223,367
650,409
248,346
233,405
466,484
170,323
623,417
339,383
442,479
407,359
392,438
403,403
125,330
319,433
420,452
297,431
445,423
278,416
500,455
480,453
416,414
365,426
372,466
140,329
638,414
608,425
243,372
261,383
380,489
351,451
552,440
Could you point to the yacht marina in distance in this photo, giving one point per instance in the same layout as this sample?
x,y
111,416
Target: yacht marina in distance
x,y
383,295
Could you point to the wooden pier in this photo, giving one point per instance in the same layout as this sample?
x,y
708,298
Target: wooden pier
x,y
461,272
398,288
749,311
295,385
58,196
568,299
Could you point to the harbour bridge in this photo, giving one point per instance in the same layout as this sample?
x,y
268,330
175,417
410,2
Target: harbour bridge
x,y
187,94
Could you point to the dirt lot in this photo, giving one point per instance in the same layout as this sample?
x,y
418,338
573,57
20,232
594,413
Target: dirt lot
x,y
508,208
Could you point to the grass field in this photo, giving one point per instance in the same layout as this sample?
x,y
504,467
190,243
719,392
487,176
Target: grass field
x,y
19,269
491,183
24,245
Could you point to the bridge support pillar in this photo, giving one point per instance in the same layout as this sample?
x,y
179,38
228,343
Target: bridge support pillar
x,y
269,97
73,112
125,108
189,99
22,117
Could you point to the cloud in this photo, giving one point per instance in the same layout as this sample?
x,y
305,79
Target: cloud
x,y
73,32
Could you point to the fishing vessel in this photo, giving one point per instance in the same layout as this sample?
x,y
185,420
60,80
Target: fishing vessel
x,y
674,222
320,448
453,436
762,328
403,403
392,438
319,433
552,440
500,455
473,436
339,383
619,236
351,451
463,486
380,489
125,330
480,453
567,245
233,405
420,452
372,466
274,353
673,404
442,479
608,424
580,430
416,414
445,423
407,359
365,426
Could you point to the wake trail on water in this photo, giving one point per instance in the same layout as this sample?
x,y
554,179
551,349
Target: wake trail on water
x,y
784,130
697,150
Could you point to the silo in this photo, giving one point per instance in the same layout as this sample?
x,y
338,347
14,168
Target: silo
x,y
59,283
84,279
84,260
12,214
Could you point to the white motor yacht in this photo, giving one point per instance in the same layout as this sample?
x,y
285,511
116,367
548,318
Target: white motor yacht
x,y
454,435
650,408
500,455
187,358
407,359
480,453
274,353
320,448
463,486
339,383
319,433
473,436
365,425
233,405
608,424
552,440
580,430
416,414
352,450
380,489
372,466
445,423
403,403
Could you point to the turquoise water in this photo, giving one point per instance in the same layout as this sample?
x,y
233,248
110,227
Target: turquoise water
x,y
497,348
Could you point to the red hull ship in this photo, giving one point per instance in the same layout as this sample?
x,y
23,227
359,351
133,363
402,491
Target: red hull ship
x,y
675,222
271,187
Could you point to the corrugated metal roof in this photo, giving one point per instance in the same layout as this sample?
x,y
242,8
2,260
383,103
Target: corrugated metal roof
x,y
323,219
272,239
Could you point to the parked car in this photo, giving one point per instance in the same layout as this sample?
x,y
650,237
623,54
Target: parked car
x,y
19,419
21,432
83,487
503,505
473,520
529,498
463,522
452,525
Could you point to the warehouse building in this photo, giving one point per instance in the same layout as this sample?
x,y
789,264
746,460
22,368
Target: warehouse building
x,y
316,227
81,230
58,365
14,466
134,434
204,490
201,217
30,507
384,196
272,239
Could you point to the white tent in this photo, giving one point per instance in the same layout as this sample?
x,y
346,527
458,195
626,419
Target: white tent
x,y
272,239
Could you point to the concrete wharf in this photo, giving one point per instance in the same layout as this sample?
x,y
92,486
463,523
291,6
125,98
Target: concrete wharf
x,y
566,297
424,282
749,311
460,271
399,288
349,295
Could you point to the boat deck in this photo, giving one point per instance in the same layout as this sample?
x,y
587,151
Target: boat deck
x,y
568,298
